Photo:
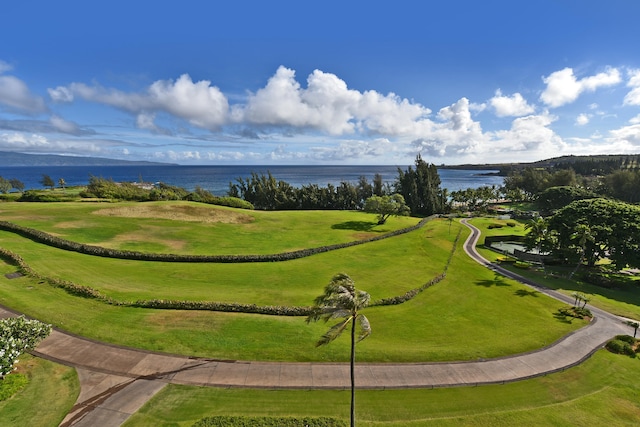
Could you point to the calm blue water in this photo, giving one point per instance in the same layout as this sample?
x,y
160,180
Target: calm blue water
x,y
217,178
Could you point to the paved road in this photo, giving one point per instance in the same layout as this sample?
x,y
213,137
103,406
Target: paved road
x,y
117,381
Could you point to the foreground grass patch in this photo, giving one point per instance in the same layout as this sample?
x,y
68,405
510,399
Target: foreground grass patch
x,y
46,399
602,391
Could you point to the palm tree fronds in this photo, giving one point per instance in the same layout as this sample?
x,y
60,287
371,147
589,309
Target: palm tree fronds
x,y
365,327
334,332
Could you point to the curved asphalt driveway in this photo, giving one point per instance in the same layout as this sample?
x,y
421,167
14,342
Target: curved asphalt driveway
x,y
116,381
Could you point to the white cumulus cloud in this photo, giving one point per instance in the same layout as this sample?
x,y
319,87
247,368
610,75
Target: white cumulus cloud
x,y
514,105
328,105
563,87
199,103
582,119
633,97
15,94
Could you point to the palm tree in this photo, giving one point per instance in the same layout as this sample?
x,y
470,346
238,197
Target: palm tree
x,y
582,235
634,325
538,236
341,299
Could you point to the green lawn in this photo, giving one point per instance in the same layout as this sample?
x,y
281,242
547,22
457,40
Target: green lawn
x,y
471,314
383,265
47,398
601,391
196,228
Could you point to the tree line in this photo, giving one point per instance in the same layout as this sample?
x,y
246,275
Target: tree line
x,y
419,185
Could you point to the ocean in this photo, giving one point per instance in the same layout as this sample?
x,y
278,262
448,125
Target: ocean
x,y
216,179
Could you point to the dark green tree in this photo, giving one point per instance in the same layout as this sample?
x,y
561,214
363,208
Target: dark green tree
x,y
623,185
17,184
378,185
554,198
5,185
614,227
420,188
47,181
386,206
341,299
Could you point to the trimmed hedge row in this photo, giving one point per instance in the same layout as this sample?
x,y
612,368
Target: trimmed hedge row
x,y
56,242
244,421
271,310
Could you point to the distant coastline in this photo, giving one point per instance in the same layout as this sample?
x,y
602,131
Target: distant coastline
x,y
9,159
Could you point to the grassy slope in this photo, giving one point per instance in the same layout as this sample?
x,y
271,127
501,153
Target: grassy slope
x,y
490,315
602,391
191,228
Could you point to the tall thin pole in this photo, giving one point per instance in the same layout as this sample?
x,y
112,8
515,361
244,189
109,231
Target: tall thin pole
x,y
353,376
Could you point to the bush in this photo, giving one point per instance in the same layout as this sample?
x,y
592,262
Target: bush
x,y
626,338
511,224
45,196
522,264
620,347
495,225
18,335
241,421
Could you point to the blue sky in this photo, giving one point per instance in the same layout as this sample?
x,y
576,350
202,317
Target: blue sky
x,y
331,82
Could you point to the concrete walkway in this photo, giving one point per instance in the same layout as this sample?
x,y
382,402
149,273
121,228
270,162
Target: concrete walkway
x,y
117,381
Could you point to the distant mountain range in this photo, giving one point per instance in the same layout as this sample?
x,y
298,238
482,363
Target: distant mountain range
x,y
549,163
20,159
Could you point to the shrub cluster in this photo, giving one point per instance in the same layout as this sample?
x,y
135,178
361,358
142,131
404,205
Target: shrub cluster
x,y
108,189
621,345
45,196
575,312
244,421
599,279
522,264
18,335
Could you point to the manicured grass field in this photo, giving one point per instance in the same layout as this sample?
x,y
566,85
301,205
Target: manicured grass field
x,y
383,265
601,391
196,228
471,314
